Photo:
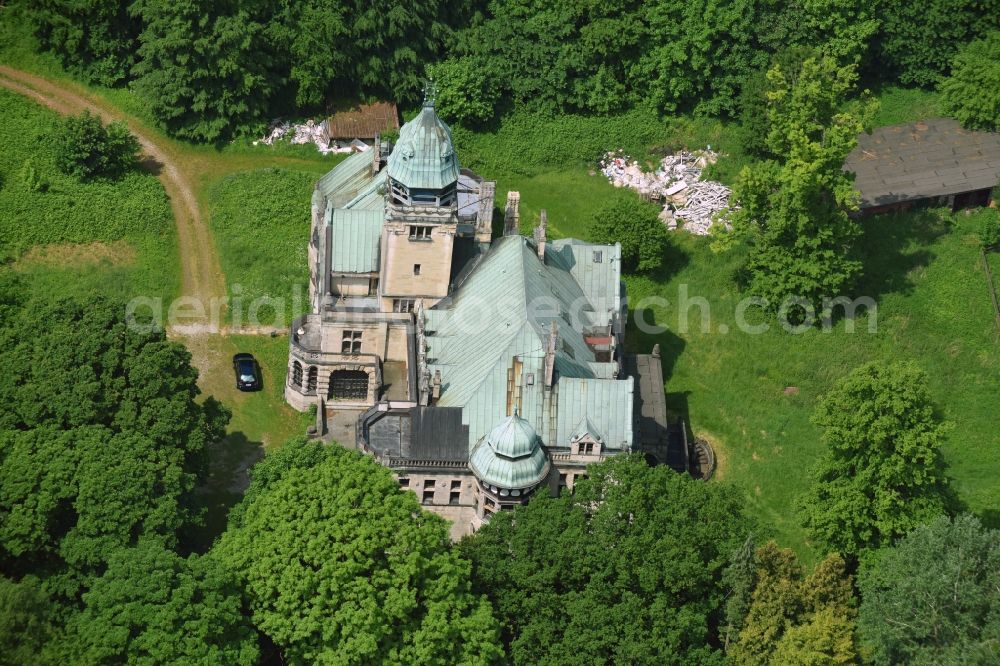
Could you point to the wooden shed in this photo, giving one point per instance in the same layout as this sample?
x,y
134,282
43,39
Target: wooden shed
x,y
362,123
930,162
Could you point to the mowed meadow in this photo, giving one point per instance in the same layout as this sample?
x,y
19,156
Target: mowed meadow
x,y
116,237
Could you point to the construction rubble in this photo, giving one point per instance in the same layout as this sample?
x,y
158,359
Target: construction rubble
x,y
688,201
308,132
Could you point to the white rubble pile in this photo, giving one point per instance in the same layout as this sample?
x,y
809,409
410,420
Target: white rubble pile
x,y
677,183
308,132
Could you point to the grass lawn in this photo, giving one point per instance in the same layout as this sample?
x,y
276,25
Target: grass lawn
x,y
933,308
905,105
993,258
260,221
261,420
116,238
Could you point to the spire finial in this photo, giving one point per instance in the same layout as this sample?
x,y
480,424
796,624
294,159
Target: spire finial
x,y
430,92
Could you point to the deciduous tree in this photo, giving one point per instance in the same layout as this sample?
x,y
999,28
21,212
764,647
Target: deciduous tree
x,y
154,606
88,149
27,623
204,67
627,219
796,620
341,566
635,547
464,92
972,92
934,598
917,41
95,39
882,473
793,211
102,440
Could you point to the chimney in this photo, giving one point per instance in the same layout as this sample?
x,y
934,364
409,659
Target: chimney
x,y
540,233
425,389
512,214
550,356
436,387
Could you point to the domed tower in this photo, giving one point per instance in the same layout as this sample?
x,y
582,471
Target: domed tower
x,y
509,464
421,213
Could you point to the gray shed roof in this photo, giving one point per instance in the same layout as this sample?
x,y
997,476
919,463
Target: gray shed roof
x,y
930,158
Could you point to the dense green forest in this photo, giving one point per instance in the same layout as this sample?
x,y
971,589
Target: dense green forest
x,y
209,69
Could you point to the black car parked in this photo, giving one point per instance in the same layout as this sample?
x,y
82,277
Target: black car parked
x,y
247,372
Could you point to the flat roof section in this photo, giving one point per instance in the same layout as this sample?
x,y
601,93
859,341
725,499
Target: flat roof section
x,y
929,158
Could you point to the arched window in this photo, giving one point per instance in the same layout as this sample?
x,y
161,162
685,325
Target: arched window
x,y
297,374
312,378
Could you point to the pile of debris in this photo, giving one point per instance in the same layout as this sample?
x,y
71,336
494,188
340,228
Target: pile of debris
x,y
308,132
677,183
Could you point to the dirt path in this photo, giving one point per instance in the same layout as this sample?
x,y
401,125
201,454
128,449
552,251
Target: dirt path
x,y
201,274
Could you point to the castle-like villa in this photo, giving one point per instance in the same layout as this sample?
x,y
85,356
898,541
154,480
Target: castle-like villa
x,y
479,370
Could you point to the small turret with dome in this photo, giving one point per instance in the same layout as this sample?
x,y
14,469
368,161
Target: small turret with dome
x,y
509,462
423,167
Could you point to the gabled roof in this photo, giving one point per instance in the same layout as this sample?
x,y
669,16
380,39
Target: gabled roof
x,y
354,240
364,121
585,428
371,196
596,268
606,402
343,182
930,158
489,318
424,157
504,310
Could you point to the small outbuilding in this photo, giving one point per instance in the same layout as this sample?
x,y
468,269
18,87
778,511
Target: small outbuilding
x,y
361,124
932,162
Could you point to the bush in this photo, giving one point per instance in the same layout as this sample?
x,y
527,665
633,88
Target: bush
x,y
989,234
88,149
972,93
634,223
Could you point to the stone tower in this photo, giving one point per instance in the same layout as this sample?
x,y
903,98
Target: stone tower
x,y
421,214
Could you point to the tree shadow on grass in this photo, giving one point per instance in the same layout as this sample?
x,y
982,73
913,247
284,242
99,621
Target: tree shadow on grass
x,y
150,165
675,259
230,460
894,245
990,518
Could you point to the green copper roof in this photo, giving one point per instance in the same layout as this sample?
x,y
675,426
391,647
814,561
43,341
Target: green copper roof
x,y
510,456
343,182
424,157
586,427
596,268
354,240
475,334
513,438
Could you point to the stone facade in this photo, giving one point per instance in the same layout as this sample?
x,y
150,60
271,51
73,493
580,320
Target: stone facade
x,y
481,370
